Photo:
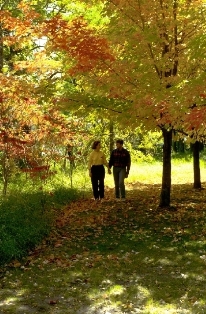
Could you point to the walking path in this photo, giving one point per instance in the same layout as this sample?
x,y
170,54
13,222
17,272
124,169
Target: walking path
x,y
102,258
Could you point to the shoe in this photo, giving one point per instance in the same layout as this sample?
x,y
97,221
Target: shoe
x,y
118,199
102,200
123,199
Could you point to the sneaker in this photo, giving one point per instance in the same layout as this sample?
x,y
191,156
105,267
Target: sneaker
x,y
123,199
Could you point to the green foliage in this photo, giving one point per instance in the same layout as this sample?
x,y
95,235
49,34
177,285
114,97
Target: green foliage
x,y
138,157
8,4
149,142
92,13
144,146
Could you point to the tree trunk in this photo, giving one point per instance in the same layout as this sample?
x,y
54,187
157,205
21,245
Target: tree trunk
x,y
196,165
1,49
166,175
5,172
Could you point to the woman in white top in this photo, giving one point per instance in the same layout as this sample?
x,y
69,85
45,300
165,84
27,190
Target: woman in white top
x,y
96,163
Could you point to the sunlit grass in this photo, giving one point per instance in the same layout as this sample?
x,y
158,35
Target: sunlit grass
x,y
112,290
155,308
182,172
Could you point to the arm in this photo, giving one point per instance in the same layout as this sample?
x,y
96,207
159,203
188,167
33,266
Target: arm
x,y
90,164
105,162
111,160
128,163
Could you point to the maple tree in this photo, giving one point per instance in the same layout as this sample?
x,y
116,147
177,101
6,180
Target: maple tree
x,y
31,128
41,46
30,137
158,72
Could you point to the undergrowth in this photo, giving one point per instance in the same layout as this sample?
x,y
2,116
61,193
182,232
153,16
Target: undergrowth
x,y
28,211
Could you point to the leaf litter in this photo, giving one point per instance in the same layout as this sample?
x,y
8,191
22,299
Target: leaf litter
x,y
111,257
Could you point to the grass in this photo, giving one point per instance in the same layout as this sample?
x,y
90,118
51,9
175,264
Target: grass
x,y
118,257
28,212
182,172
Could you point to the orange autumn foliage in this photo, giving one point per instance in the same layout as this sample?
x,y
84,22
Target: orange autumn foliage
x,y
78,41
22,27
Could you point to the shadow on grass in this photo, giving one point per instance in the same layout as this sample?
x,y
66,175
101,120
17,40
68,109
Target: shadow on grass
x,y
117,258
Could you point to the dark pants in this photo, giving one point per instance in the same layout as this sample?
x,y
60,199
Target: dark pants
x,y
97,179
119,174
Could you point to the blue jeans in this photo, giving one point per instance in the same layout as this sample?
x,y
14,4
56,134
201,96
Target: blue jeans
x,y
119,174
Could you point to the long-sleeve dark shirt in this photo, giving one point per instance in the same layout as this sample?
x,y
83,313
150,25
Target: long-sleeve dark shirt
x,y
120,158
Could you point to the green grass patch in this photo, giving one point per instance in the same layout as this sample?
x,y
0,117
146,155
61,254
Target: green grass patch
x,y
27,215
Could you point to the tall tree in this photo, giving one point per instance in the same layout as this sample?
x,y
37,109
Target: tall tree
x,y
156,55
196,164
30,126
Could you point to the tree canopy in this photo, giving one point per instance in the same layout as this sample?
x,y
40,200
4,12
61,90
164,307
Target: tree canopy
x,y
134,62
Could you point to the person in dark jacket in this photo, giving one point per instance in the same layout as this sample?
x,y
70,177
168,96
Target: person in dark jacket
x,y
121,161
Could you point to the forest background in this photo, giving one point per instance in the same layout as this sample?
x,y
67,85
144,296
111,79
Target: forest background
x,y
74,72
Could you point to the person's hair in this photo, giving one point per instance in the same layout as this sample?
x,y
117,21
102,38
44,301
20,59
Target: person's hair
x,y
94,145
120,141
